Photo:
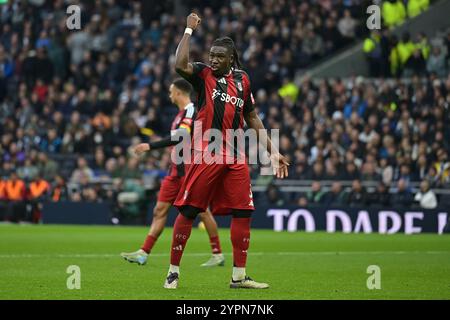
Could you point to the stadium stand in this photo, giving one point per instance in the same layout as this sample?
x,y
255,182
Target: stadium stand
x,y
73,102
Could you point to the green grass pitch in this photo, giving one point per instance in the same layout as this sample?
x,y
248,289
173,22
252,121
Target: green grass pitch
x,y
34,260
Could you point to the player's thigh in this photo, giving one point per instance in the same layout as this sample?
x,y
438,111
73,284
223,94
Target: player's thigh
x,y
161,209
234,192
170,186
199,184
206,215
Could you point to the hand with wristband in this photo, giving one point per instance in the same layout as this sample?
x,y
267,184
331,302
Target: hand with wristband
x,y
193,20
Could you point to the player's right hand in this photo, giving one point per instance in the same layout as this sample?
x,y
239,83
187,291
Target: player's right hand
x,y
193,20
141,148
280,165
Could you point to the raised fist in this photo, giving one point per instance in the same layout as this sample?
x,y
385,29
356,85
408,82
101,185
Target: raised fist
x,y
193,20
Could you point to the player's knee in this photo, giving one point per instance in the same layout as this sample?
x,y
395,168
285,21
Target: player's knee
x,y
190,212
205,215
241,213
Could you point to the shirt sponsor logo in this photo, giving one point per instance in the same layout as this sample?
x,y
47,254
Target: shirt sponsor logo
x,y
217,94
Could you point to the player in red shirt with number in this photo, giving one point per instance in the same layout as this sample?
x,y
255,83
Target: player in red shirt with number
x,y
224,102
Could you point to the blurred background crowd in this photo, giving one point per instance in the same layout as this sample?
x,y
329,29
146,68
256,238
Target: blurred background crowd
x,y
73,102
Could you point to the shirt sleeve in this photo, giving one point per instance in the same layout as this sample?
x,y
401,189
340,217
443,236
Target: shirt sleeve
x,y
197,76
249,103
163,143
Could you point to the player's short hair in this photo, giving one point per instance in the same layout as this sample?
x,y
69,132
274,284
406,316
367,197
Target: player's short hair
x,y
227,42
183,85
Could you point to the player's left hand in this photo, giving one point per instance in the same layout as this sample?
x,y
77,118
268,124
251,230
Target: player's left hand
x,y
141,148
280,165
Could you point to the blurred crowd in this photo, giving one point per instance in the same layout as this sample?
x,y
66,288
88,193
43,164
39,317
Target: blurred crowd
x,y
396,12
73,102
389,55
391,131
401,197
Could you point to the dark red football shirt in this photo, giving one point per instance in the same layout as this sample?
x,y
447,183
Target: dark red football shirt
x,y
183,120
221,104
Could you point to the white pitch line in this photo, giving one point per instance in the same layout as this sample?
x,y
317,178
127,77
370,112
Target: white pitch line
x,y
293,253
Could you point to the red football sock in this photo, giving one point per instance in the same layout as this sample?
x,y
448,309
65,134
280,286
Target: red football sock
x,y
181,232
240,238
215,245
149,243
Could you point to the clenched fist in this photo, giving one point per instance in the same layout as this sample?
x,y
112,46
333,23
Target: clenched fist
x,y
141,148
193,20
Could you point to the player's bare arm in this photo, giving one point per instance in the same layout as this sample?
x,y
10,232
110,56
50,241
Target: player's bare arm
x,y
182,65
141,148
279,162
